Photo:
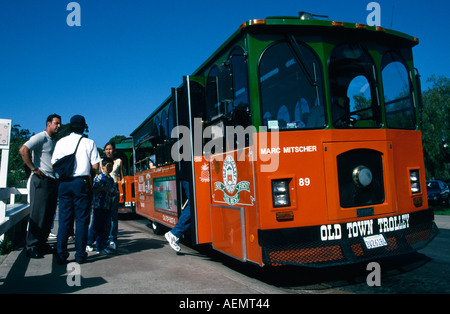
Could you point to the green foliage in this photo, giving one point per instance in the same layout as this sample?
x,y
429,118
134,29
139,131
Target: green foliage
x,y
436,127
441,210
117,139
5,245
17,176
64,130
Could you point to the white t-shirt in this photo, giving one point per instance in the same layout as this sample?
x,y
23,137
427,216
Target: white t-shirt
x,y
86,156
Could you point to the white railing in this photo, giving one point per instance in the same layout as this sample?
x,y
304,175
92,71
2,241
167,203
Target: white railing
x,y
11,213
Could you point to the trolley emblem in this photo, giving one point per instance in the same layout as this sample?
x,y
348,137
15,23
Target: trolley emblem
x,y
230,184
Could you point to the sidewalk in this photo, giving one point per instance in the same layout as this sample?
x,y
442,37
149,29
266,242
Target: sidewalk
x,y
143,263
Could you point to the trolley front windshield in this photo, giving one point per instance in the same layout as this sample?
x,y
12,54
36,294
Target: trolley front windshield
x,y
368,88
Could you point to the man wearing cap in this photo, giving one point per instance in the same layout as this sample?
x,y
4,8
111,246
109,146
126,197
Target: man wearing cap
x,y
37,153
75,193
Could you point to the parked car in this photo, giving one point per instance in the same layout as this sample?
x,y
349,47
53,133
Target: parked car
x,y
438,192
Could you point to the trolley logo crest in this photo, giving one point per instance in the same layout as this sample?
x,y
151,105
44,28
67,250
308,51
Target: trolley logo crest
x,y
230,184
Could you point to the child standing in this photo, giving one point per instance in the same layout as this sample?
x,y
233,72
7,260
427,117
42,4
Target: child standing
x,y
104,190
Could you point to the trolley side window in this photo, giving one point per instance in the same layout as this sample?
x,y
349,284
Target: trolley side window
x,y
291,87
397,93
234,78
227,102
212,100
153,142
162,142
354,101
241,110
213,110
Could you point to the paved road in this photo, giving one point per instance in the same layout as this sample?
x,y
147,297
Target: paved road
x,y
144,263
425,272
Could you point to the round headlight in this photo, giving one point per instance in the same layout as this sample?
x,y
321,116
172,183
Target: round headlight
x,y
362,176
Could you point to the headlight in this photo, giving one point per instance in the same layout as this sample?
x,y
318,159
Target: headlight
x,y
362,176
414,179
280,193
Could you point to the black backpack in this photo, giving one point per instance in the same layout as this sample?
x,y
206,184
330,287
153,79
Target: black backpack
x,y
64,167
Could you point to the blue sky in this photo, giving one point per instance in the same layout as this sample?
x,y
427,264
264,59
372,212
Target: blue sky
x,y
120,64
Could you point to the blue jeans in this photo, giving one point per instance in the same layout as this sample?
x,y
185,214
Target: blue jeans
x,y
99,230
184,221
75,199
114,220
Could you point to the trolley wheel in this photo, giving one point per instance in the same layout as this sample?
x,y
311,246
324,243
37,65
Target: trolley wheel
x,y
157,228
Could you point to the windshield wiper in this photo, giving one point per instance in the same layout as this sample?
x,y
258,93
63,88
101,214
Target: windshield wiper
x,y
312,77
298,57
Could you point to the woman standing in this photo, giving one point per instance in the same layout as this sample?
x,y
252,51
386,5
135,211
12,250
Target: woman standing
x,y
117,172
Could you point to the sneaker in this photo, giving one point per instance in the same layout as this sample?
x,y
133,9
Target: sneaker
x,y
104,252
89,248
112,245
173,241
51,236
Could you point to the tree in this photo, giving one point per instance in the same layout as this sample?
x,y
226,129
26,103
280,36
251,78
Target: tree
x,y
17,171
436,127
64,130
117,139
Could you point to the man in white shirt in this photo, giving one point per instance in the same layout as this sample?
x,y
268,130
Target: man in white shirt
x,y
75,193
37,153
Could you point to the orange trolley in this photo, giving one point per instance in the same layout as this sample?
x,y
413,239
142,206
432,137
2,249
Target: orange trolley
x,y
300,140
124,150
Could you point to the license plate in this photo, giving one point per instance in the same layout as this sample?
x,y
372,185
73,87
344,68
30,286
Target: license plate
x,y
375,241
